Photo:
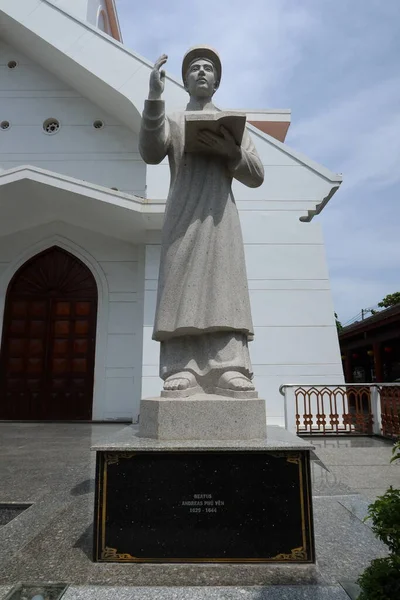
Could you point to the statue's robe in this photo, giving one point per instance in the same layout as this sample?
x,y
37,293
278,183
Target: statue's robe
x,y
202,288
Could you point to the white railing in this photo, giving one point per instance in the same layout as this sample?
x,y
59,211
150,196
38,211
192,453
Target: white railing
x,y
333,409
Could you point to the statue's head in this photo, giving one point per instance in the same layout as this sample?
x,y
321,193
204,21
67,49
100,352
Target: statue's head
x,y
201,71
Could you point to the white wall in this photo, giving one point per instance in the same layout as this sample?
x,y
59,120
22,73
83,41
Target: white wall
x,y
78,8
293,314
29,95
118,270
86,10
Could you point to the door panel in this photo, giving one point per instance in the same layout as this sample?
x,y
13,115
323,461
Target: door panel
x,y
48,346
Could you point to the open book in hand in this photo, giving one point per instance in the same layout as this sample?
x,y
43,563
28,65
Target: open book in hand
x,y
196,121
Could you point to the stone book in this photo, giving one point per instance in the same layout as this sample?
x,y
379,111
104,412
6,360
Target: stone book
x,y
197,121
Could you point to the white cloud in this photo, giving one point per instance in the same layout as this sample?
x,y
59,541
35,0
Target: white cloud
x,y
259,41
359,133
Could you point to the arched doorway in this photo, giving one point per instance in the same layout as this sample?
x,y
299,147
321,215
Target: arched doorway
x,y
48,342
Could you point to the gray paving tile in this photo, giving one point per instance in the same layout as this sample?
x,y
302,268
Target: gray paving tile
x,y
325,483
26,591
356,457
16,534
348,442
373,477
371,494
317,592
352,589
4,589
344,545
276,592
163,593
358,506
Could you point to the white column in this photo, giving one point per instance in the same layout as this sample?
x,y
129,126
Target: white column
x,y
290,410
376,410
151,382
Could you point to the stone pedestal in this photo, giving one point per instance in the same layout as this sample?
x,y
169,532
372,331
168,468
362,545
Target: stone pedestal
x,y
203,501
203,417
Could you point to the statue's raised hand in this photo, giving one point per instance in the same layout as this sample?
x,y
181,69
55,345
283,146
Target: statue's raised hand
x,y
157,78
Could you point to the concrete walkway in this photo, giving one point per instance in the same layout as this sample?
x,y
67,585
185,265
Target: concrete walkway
x,y
360,463
51,467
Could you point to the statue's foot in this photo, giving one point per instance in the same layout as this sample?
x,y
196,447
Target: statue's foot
x,y
180,382
235,381
235,385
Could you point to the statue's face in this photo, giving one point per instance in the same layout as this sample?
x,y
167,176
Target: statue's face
x,y
201,79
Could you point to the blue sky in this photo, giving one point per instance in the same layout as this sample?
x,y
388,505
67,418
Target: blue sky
x,y
335,63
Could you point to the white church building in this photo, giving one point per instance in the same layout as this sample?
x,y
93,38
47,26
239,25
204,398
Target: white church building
x,y
80,222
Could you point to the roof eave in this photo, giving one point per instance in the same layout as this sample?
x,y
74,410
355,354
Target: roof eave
x,y
80,186
334,179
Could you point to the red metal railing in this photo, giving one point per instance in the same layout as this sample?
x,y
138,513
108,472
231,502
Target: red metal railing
x,y
390,410
356,409
338,410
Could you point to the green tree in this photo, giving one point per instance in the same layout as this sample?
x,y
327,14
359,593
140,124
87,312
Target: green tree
x,y
396,452
390,300
339,326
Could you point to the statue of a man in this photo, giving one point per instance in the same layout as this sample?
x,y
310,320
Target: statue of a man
x,y
203,319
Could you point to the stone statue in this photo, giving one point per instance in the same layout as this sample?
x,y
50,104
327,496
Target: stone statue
x,y
203,319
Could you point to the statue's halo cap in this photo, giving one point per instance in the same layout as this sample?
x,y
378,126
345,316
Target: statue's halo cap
x,y
202,52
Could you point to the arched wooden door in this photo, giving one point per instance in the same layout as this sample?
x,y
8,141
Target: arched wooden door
x,y
48,342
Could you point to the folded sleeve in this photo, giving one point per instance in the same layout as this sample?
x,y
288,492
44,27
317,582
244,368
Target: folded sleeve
x,y
154,137
248,169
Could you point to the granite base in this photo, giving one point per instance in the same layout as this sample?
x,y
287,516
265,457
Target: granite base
x,y
203,417
199,502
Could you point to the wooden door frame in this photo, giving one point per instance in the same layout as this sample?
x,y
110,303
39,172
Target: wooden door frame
x,y
23,288
99,391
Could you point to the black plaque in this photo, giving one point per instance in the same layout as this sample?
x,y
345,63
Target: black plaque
x,y
203,507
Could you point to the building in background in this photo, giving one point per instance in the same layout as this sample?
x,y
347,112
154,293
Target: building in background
x,y
371,348
81,216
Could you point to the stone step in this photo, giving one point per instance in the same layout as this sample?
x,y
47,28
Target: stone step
x,y
275,592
